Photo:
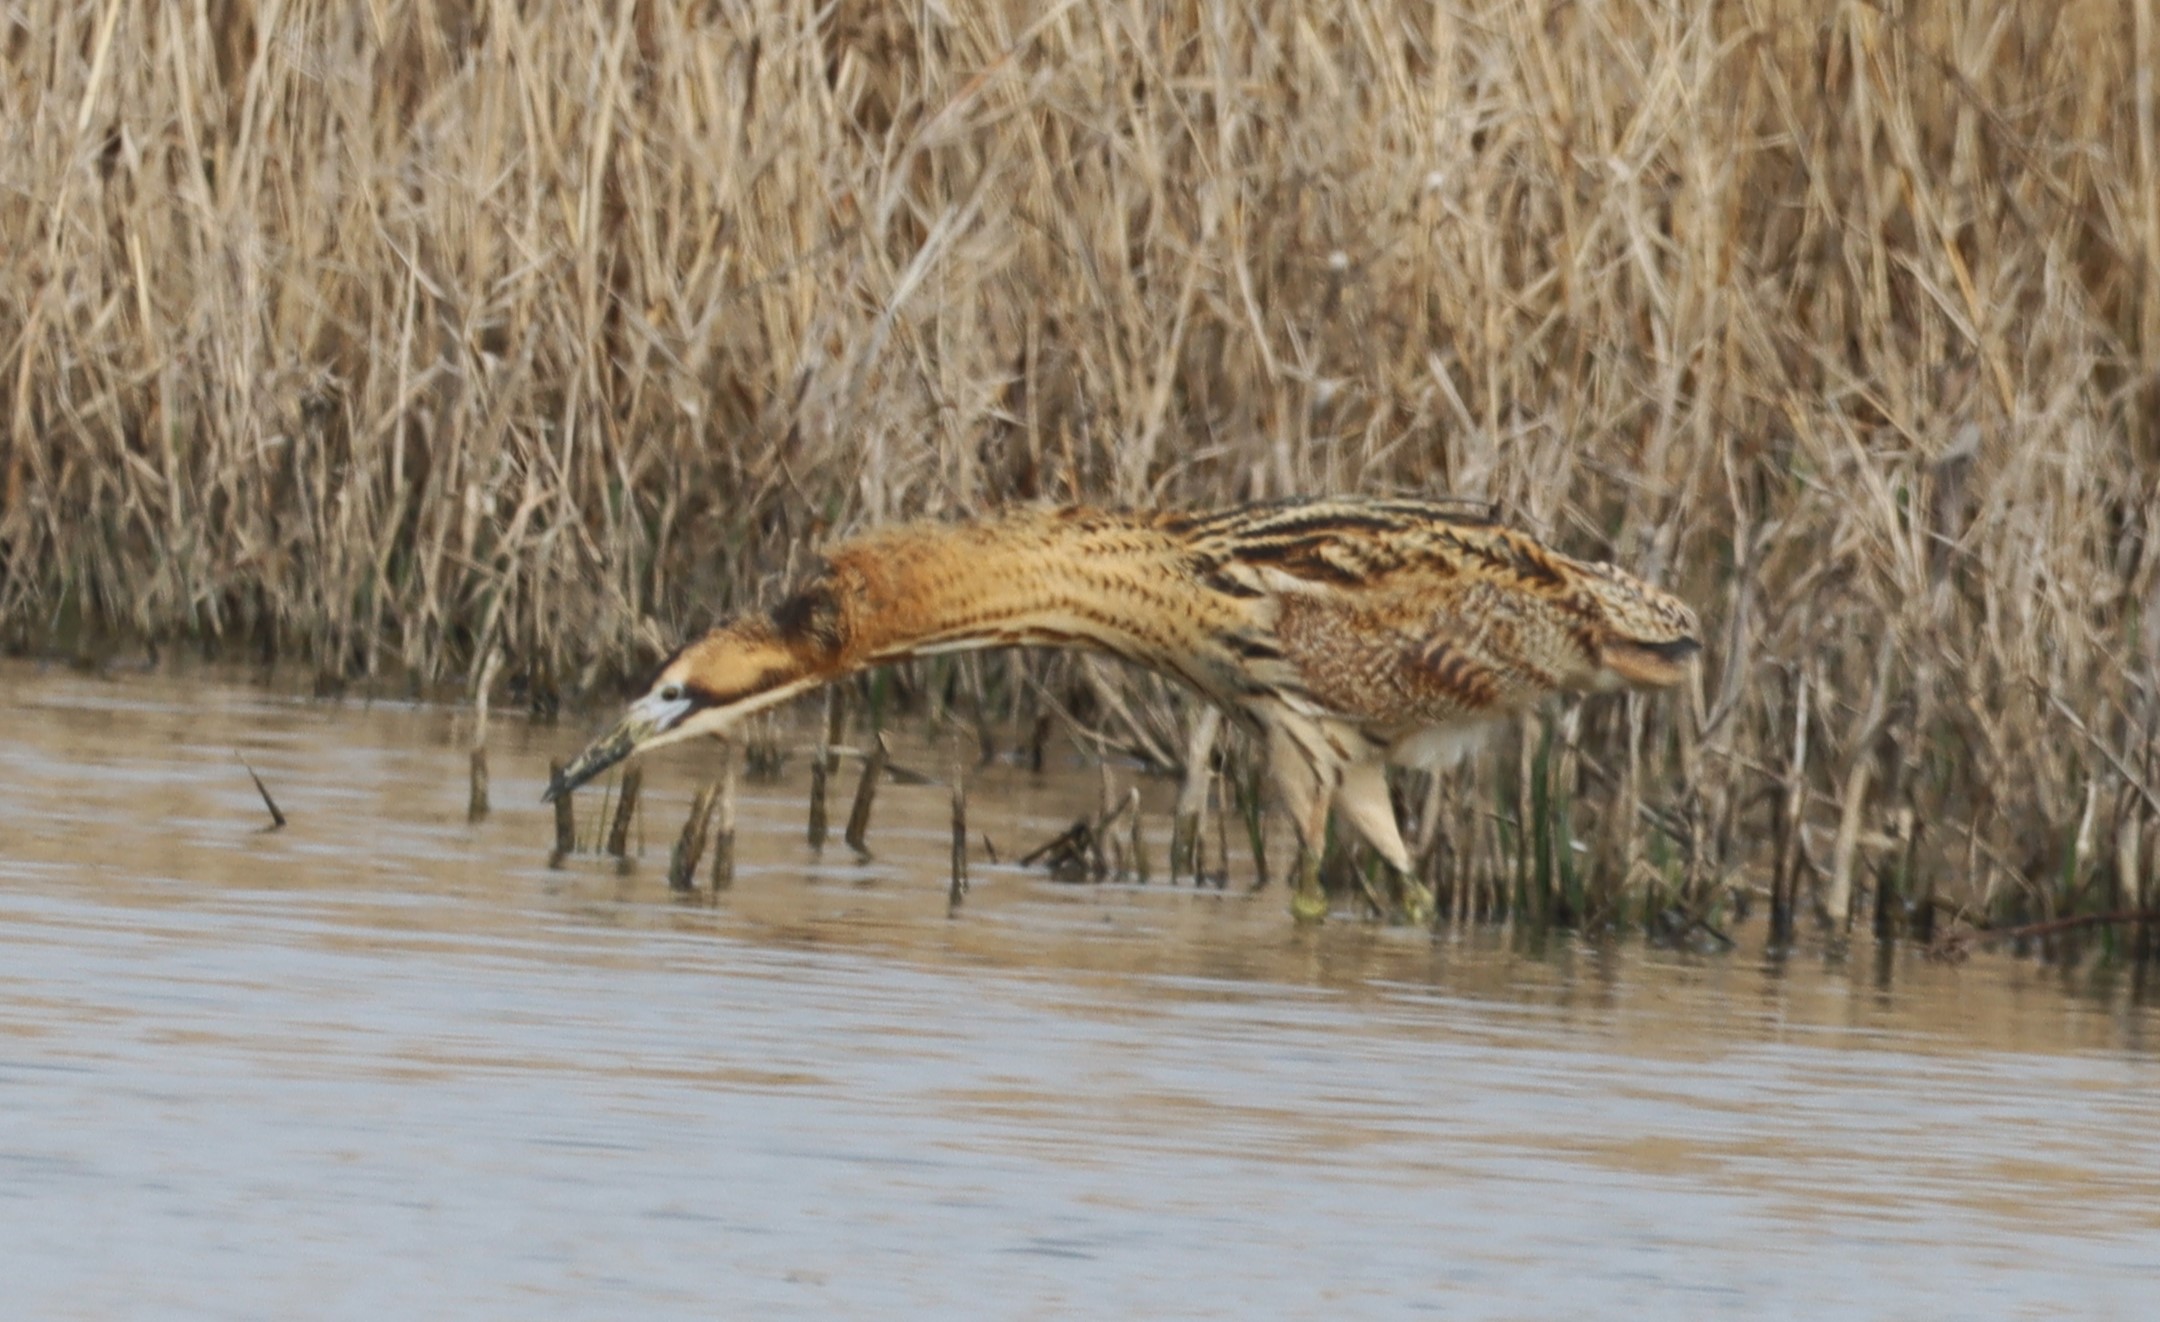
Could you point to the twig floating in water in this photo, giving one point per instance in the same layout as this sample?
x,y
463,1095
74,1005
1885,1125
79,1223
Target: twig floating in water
x,y
277,819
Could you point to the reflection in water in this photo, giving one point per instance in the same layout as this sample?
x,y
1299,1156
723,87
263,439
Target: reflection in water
x,y
389,1060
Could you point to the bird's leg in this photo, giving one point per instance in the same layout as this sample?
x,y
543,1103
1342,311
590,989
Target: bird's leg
x,y
1362,799
1418,904
1308,902
1304,793
1419,901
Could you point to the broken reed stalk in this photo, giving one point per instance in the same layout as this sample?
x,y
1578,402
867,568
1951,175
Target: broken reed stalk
x,y
1922,927
1069,855
1251,805
1362,863
1107,806
1087,850
1859,775
1187,820
565,818
978,711
1136,849
2129,877
816,829
763,758
476,799
277,818
1428,848
1222,834
1550,890
690,845
723,844
1785,880
959,888
1038,741
822,763
873,771
1540,885
618,836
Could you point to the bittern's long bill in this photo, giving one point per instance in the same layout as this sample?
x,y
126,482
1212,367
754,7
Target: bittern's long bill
x,y
1348,632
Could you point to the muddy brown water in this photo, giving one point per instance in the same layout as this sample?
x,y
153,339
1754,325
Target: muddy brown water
x,y
384,1063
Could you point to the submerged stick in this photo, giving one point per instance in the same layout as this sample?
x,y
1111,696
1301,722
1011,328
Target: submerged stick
x,y
1065,854
959,888
1077,853
277,819
565,820
618,836
858,822
690,846
1956,943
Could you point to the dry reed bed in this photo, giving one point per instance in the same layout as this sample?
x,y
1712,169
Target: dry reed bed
x,y
404,334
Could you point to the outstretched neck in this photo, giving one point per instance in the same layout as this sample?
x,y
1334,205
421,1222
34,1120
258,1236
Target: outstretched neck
x,y
1028,578
1031,578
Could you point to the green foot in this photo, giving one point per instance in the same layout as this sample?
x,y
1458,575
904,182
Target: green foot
x,y
1417,902
1308,902
1308,906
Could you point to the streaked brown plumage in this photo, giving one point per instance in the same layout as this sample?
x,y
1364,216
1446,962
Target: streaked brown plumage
x,y
1348,632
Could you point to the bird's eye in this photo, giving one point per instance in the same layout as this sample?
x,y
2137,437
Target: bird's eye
x,y
671,693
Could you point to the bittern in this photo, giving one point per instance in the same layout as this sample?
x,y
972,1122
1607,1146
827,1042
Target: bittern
x,y
1347,633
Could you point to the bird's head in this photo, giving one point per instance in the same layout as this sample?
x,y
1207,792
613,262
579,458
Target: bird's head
x,y
1650,637
705,688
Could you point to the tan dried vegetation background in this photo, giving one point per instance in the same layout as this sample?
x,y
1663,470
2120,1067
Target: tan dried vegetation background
x,y
393,335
